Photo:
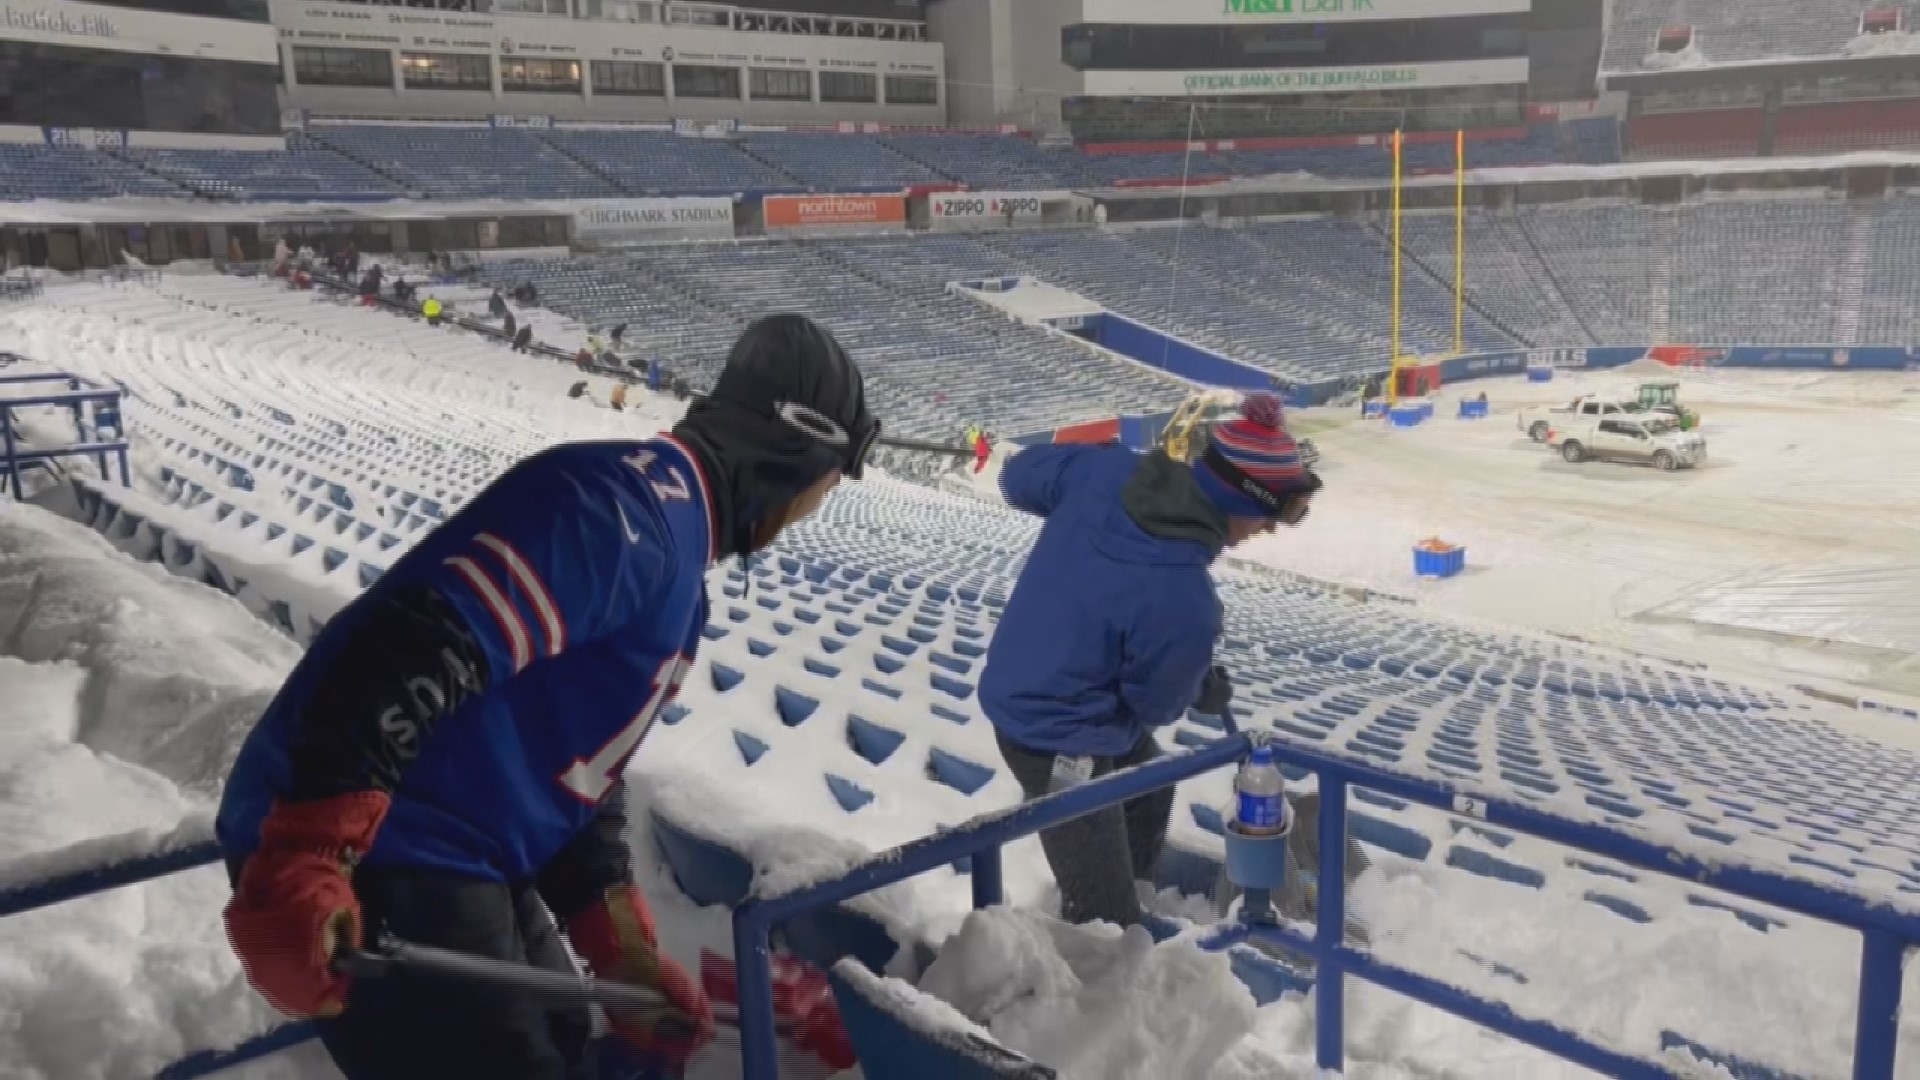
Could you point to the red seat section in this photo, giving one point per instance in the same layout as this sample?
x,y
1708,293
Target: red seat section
x,y
1832,128
1704,134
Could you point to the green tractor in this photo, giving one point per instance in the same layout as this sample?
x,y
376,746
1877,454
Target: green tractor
x,y
1662,396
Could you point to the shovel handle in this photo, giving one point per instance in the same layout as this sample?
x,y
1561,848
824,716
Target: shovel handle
x,y
393,956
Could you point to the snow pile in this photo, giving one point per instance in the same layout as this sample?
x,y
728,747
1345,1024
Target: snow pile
x,y
1091,1001
165,673
1689,57
1693,969
116,681
1892,43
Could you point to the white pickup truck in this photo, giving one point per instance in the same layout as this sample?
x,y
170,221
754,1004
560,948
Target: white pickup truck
x,y
1649,439
1537,420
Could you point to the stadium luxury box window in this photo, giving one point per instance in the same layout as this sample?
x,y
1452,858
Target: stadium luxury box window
x,y
779,84
342,67
704,81
243,10
849,86
913,90
629,78
539,75
446,71
57,86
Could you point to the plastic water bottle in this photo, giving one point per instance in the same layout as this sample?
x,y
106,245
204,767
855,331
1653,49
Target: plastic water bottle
x,y
1260,796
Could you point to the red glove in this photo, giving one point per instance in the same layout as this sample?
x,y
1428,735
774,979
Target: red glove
x,y
294,905
803,1006
617,940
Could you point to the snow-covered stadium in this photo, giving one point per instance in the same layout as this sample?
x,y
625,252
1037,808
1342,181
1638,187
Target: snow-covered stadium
x,y
1626,785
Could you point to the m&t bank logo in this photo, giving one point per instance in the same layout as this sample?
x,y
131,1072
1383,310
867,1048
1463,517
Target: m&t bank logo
x,y
1294,7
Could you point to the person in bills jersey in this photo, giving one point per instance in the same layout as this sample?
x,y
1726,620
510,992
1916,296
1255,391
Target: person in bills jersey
x,y
445,764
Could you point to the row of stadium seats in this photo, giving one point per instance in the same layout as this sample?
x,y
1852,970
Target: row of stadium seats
x,y
1306,299
933,360
1793,271
452,161
853,656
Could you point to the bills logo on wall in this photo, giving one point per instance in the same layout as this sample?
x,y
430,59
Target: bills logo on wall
x,y
1559,359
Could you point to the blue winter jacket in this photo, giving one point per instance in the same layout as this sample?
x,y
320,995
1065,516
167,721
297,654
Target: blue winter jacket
x,y
1112,624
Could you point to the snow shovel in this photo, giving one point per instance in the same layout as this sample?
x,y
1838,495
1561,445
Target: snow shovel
x,y
392,955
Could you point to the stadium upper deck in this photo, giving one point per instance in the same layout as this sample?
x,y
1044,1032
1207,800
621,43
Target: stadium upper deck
x,y
1754,30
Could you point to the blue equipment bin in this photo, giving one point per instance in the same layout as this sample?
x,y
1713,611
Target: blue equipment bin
x,y
1409,416
1374,409
1439,564
1473,409
1539,374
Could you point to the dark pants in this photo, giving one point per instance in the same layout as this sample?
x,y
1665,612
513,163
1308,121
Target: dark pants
x,y
1097,858
399,1028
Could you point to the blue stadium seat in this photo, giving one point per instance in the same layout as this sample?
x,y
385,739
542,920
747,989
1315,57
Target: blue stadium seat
x,y
305,171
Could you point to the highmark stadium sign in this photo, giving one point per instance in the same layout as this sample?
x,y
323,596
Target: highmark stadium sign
x,y
1188,12
1306,80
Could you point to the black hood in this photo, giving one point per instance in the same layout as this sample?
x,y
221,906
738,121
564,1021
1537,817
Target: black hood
x,y
789,406
1165,500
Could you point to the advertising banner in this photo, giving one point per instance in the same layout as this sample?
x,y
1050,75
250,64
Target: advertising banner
x,y
652,219
1308,80
1457,368
980,208
834,211
1256,12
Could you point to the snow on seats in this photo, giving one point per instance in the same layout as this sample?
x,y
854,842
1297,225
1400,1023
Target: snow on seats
x,y
831,711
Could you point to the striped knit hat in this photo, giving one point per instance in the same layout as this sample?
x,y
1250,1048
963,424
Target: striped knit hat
x,y
1252,462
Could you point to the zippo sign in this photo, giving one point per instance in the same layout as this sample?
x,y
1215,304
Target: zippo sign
x,y
988,207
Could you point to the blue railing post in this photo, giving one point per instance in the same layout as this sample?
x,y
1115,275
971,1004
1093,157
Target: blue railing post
x,y
753,974
988,890
11,462
1329,991
1877,1027
981,838
64,885
1887,929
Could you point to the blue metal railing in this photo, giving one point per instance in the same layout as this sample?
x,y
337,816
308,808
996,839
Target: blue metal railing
x,y
94,407
1886,932
61,885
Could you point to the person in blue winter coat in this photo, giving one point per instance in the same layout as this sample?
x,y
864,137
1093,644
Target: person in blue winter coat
x,y
446,762
1109,632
